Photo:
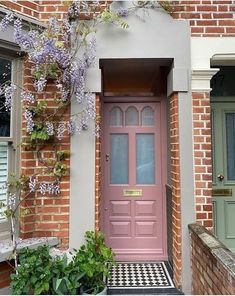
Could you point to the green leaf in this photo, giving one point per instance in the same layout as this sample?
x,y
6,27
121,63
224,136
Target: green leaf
x,y
58,283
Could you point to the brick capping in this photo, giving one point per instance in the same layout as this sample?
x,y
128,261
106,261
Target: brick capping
x,y
213,264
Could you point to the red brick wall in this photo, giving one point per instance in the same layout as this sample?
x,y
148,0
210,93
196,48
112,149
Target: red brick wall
x,y
207,18
48,215
211,273
175,178
202,157
5,271
51,8
25,7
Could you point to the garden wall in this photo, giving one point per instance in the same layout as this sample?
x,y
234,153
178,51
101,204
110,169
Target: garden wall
x,y
213,265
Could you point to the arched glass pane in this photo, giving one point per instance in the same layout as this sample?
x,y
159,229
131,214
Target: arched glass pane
x,y
147,116
132,116
116,117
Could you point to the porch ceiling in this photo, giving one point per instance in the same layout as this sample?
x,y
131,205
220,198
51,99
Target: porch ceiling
x,y
127,77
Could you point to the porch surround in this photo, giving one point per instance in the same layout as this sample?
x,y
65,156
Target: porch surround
x,y
157,36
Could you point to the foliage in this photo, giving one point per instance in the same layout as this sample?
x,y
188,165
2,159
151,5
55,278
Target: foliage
x,y
39,273
95,260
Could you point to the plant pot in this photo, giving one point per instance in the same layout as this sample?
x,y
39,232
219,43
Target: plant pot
x,y
103,292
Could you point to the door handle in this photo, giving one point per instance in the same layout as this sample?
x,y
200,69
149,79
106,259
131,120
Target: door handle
x,y
220,177
107,157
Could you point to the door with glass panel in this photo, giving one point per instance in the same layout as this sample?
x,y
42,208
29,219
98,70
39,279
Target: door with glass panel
x,y
132,196
223,138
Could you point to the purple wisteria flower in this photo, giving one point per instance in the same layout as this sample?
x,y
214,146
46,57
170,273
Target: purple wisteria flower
x,y
50,188
53,188
29,121
32,184
8,93
27,97
8,18
40,84
24,40
11,201
90,105
50,128
83,124
64,95
53,24
43,188
90,54
123,12
71,127
61,130
68,29
74,9
97,130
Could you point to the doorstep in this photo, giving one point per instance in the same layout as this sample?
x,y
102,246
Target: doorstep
x,y
149,278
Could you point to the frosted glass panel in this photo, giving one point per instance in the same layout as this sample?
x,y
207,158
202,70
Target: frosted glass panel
x,y
116,117
145,159
230,137
147,116
132,116
119,159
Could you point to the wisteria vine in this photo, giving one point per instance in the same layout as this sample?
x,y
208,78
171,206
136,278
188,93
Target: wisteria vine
x,y
59,54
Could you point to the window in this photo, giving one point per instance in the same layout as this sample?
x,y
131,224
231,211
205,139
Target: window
x,y
10,70
132,116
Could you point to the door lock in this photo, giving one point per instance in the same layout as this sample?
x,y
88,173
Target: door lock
x,y
220,177
107,157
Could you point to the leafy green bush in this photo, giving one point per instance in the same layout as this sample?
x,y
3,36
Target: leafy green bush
x,y
95,260
38,273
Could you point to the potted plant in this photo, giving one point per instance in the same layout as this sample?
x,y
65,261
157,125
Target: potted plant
x,y
95,260
39,273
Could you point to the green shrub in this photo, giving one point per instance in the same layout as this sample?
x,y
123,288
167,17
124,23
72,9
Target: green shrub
x,y
95,260
38,273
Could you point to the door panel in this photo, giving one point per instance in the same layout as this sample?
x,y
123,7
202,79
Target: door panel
x,y
132,186
224,172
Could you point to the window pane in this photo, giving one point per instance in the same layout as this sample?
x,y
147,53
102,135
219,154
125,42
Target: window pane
x,y
3,172
119,159
147,116
132,116
145,160
5,75
116,117
230,139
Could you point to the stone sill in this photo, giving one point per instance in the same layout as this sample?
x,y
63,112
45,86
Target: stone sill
x,y
6,247
218,250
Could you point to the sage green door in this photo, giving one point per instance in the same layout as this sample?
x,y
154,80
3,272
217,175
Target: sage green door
x,y
223,139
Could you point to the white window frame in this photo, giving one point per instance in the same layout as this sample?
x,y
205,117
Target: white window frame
x,y
15,128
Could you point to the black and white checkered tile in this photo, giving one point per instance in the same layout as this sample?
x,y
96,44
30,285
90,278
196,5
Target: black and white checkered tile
x,y
140,275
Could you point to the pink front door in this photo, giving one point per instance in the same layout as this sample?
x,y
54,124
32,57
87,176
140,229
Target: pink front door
x,y
133,204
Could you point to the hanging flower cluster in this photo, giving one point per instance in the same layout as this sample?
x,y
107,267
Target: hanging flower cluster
x,y
60,53
53,58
